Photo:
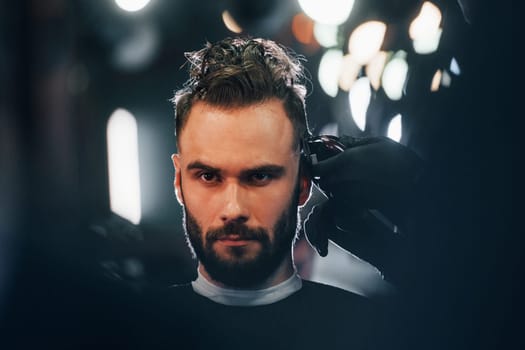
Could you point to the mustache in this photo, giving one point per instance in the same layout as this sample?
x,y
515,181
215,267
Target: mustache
x,y
241,230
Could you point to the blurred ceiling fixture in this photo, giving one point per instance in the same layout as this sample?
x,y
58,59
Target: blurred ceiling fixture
x,y
327,11
123,165
132,5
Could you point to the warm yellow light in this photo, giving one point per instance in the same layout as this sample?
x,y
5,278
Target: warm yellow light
x,y
303,28
366,40
436,81
326,34
375,67
349,71
230,23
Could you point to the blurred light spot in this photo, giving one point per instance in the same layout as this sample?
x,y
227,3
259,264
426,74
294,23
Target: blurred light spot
x,y
329,69
366,40
359,98
330,129
424,29
375,67
230,22
325,34
395,128
138,49
427,44
349,71
446,79
394,76
123,165
132,5
436,81
327,11
454,67
303,28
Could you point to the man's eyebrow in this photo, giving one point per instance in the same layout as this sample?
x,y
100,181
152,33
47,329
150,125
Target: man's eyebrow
x,y
201,166
276,170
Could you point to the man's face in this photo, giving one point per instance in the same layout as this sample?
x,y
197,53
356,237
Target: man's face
x,y
237,177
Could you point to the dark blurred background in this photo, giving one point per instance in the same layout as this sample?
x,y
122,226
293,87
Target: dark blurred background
x,y
70,251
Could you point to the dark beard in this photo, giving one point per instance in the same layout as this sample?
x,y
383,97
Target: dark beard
x,y
238,270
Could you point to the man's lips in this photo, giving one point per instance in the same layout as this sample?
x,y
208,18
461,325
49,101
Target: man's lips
x,y
234,240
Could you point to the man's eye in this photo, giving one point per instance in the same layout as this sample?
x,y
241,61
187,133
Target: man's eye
x,y
260,178
208,177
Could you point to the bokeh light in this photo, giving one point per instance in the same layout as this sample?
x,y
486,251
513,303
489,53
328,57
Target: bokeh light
x,y
326,34
424,29
359,98
230,22
329,71
394,76
436,81
366,40
132,5
454,66
395,128
349,71
123,165
327,11
374,69
303,28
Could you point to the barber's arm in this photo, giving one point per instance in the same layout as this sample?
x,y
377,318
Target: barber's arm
x,y
371,185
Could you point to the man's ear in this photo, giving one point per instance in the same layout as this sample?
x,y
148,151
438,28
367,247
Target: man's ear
x,y
305,186
177,178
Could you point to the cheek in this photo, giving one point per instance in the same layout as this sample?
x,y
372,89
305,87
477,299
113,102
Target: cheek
x,y
201,204
271,205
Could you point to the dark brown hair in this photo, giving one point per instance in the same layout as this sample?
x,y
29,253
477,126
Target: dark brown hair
x,y
237,72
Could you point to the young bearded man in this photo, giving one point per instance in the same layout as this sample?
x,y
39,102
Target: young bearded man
x,y
240,120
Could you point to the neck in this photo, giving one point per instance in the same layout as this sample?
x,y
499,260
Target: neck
x,y
284,271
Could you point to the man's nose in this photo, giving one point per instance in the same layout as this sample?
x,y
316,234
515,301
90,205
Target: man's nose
x,y
235,207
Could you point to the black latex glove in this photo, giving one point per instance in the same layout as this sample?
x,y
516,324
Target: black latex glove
x,y
370,186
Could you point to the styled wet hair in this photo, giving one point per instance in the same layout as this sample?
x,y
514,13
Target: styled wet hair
x,y
238,72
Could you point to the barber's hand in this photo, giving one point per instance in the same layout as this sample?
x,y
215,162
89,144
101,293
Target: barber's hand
x,y
370,186
373,173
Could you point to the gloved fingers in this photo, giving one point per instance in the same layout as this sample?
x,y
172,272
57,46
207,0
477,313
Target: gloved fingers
x,y
383,163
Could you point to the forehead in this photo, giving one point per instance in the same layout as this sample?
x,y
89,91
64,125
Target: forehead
x,y
260,132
